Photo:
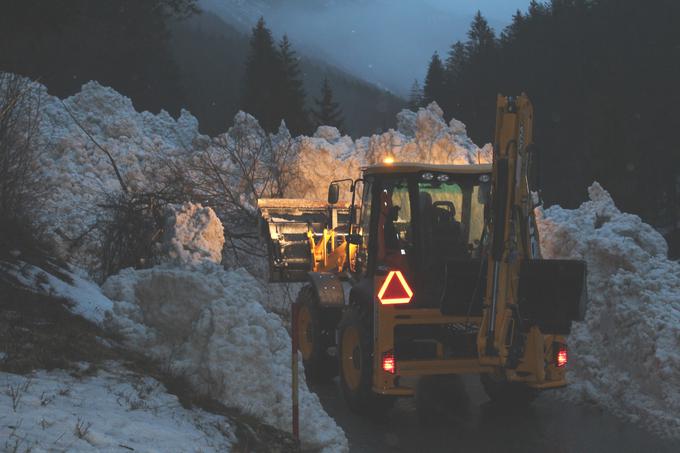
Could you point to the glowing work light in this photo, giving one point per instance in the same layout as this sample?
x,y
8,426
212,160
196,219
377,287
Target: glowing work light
x,y
395,290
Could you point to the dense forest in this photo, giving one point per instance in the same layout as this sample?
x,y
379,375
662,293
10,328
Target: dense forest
x,y
603,76
167,54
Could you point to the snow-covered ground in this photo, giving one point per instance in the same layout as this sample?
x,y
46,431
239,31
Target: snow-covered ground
x,y
111,411
626,355
203,323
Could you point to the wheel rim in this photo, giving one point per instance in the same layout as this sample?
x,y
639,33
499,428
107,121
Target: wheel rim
x,y
305,333
351,358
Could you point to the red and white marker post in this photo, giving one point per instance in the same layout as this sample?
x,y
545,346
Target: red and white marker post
x,y
294,368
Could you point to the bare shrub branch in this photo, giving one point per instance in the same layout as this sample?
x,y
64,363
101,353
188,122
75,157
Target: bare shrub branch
x,y
21,187
239,167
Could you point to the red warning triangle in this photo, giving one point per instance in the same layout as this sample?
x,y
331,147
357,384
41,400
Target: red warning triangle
x,y
395,290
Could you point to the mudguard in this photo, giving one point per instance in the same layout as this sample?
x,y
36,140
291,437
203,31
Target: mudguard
x,y
328,288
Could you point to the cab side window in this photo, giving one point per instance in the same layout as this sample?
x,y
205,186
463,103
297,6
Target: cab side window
x,y
364,228
394,224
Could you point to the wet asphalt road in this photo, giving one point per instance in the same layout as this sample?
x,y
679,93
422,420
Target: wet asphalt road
x,y
548,425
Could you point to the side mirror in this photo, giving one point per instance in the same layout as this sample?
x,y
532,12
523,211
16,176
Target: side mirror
x,y
355,239
333,193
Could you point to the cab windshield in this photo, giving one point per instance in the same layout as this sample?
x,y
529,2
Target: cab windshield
x,y
452,217
427,219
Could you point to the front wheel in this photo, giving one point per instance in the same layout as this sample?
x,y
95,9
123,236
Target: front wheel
x,y
355,355
315,331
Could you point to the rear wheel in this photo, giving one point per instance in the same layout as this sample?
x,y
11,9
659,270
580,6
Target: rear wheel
x,y
506,393
355,354
315,334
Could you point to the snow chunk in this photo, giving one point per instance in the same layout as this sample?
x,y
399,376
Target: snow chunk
x,y
328,133
192,234
626,354
209,324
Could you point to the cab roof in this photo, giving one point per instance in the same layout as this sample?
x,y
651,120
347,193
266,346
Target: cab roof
x,y
416,167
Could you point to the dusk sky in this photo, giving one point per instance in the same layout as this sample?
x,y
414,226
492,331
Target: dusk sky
x,y
387,42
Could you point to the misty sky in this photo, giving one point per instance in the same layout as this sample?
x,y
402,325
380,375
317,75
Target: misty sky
x,y
387,42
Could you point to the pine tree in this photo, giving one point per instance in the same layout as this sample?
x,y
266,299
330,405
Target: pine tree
x,y
512,31
328,111
263,79
292,93
481,38
434,81
415,99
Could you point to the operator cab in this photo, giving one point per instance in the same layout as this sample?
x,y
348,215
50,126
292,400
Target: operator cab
x,y
428,222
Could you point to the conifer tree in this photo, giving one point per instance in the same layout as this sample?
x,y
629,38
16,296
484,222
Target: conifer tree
x,y
263,78
415,99
328,112
292,93
434,81
481,38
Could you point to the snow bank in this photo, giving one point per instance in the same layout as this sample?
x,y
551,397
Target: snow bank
x,y
112,411
193,234
626,355
208,324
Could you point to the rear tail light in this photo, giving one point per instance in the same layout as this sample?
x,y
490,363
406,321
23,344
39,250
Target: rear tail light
x,y
561,355
389,364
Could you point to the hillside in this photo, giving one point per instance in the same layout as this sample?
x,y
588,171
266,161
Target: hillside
x,y
211,53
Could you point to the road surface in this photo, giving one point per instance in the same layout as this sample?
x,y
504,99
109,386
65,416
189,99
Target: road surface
x,y
549,424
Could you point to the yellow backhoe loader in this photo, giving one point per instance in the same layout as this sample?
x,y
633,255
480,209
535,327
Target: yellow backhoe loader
x,y
430,270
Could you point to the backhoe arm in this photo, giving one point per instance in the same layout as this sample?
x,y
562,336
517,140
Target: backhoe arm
x,y
512,233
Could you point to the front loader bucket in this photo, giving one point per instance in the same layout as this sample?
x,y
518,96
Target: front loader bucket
x,y
286,226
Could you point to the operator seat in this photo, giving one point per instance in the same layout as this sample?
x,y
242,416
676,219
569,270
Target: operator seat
x,y
447,232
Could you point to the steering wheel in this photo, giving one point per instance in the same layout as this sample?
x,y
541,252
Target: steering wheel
x,y
448,205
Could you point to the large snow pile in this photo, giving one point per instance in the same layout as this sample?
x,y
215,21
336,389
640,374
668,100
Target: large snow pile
x,y
208,324
421,136
112,411
626,355
193,234
81,174
141,143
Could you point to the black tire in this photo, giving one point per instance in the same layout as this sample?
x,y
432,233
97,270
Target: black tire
x,y
318,336
505,393
357,388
